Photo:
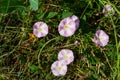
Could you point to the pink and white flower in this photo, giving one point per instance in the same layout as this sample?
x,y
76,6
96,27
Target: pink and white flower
x,y
83,58
67,27
40,29
76,20
59,68
101,38
66,55
76,43
108,10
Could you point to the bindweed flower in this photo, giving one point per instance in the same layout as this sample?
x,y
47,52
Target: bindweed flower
x,y
67,27
108,10
101,38
59,68
76,43
83,58
40,29
66,55
76,19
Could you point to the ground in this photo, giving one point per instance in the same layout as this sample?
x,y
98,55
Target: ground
x,y
23,56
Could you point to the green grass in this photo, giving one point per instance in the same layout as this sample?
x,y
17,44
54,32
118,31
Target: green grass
x,y
23,57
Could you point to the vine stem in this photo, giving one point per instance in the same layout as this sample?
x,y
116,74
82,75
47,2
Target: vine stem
x,y
116,41
42,49
17,46
117,46
115,35
84,10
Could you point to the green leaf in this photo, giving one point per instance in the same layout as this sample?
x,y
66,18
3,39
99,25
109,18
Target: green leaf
x,y
34,4
90,4
66,14
84,18
33,68
7,6
94,61
40,15
52,14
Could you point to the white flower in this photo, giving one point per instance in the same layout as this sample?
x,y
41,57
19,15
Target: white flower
x,y
59,68
76,19
66,55
108,10
101,38
67,27
40,29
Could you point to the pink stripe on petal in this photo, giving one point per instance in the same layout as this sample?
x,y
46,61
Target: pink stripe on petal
x,y
60,28
77,26
77,21
35,27
60,58
69,52
46,29
36,33
57,63
42,34
71,23
62,52
98,32
65,33
95,38
71,58
64,21
66,62
107,6
41,24
37,23
99,44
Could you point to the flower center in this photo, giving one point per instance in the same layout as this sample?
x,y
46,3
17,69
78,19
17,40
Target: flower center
x,y
66,27
59,68
66,57
98,39
40,29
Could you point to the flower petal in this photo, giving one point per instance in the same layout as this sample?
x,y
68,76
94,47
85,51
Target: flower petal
x,y
66,55
59,68
101,38
40,29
